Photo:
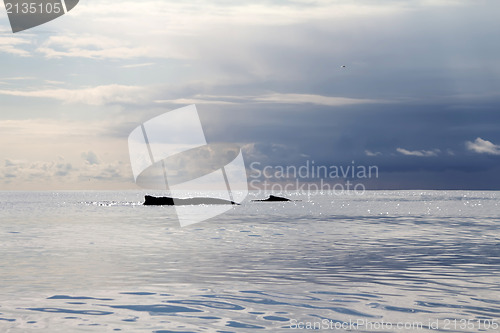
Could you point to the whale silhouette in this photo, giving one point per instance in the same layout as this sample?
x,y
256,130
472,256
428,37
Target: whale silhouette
x,y
169,201
274,198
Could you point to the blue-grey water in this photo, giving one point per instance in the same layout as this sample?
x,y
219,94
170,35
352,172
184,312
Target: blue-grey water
x,y
385,261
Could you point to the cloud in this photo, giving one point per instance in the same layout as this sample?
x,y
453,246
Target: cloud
x,y
54,82
274,98
58,130
481,146
178,30
266,72
441,2
12,45
99,95
419,153
91,46
187,101
123,94
47,154
115,171
146,64
312,99
63,169
270,153
11,163
19,78
36,173
371,154
91,158
206,13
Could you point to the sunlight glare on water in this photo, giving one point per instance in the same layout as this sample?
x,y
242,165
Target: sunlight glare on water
x,y
102,262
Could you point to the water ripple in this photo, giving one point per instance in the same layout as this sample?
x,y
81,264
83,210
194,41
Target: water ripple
x,y
156,309
92,262
210,304
83,312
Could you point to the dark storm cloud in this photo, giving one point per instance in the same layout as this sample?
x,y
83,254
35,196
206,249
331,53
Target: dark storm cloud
x,y
419,87
418,145
433,70
417,53
436,66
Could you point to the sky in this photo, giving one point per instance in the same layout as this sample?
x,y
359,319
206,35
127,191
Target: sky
x,y
419,96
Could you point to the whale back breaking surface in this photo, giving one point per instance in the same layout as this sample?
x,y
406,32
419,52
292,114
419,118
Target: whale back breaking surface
x,y
169,201
273,198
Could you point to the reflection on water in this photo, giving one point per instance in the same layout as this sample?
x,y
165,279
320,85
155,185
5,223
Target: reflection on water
x,y
429,261
251,309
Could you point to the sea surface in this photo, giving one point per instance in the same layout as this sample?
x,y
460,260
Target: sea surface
x,y
385,261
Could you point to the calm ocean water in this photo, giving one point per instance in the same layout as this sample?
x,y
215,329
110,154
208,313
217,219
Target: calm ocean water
x,y
395,261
